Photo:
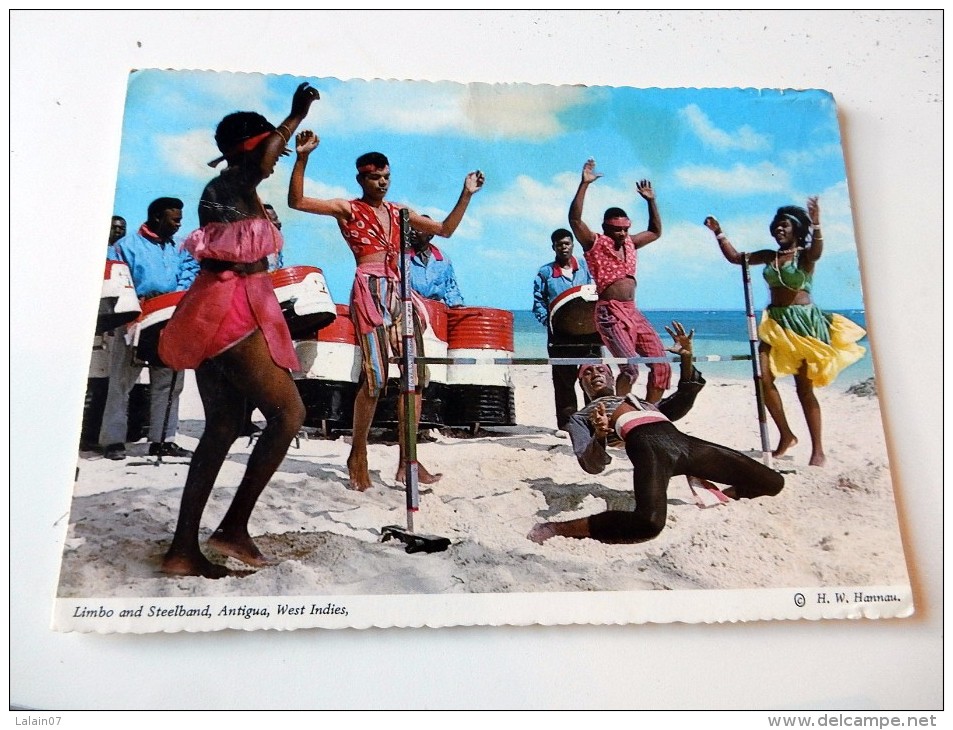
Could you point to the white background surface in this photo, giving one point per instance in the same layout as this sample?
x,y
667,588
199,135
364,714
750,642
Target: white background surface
x,y
68,77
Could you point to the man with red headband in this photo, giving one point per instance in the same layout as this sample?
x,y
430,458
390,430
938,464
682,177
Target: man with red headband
x,y
657,449
371,228
612,257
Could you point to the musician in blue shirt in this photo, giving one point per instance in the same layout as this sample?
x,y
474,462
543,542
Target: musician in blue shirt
x,y
431,272
157,266
553,279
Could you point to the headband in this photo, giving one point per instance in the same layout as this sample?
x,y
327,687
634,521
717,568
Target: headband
x,y
798,224
369,167
246,145
795,221
618,222
583,369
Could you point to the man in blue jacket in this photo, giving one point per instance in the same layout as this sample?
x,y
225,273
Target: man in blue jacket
x,y
157,266
553,279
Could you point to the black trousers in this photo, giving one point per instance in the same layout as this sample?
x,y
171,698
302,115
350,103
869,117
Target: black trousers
x,y
659,451
564,376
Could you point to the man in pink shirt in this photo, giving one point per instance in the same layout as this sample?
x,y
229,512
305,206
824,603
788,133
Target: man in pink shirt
x,y
612,256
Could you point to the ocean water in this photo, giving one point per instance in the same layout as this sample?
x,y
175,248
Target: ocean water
x,y
717,332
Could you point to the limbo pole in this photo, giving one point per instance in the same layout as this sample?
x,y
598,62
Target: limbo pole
x,y
414,541
756,361
409,376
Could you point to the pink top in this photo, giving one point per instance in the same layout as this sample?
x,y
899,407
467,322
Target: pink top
x,y
607,264
223,307
245,241
365,235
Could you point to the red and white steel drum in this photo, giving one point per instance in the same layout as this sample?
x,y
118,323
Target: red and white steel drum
x,y
332,352
435,339
330,370
479,332
573,311
118,303
156,313
304,298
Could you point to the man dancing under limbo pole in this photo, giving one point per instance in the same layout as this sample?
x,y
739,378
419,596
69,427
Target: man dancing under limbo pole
x,y
658,451
371,228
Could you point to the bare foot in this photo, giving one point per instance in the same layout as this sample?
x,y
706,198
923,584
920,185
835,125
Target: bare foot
x,y
783,445
359,477
193,565
818,459
541,533
240,548
423,476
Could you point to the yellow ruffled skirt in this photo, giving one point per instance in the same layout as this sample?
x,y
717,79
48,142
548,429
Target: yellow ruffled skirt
x,y
802,333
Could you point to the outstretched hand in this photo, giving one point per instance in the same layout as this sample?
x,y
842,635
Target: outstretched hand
x,y
712,224
474,181
814,210
599,420
303,97
306,142
589,174
682,341
644,188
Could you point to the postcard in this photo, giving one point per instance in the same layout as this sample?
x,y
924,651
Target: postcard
x,y
728,464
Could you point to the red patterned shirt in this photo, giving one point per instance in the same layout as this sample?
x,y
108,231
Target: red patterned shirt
x,y
607,264
365,235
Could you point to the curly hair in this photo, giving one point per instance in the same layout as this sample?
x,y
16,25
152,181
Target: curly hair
x,y
239,126
798,218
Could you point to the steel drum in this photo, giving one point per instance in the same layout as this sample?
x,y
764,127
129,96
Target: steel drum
x,y
156,313
573,311
304,298
479,394
118,303
330,361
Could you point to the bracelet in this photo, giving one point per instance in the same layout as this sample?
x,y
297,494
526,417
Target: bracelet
x,y
721,237
283,137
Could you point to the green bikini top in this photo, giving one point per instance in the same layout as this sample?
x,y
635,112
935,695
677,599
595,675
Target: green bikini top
x,y
787,275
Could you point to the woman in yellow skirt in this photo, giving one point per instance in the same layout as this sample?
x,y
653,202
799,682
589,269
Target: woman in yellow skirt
x,y
796,337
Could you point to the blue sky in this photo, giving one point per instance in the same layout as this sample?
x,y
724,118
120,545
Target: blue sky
x,y
737,154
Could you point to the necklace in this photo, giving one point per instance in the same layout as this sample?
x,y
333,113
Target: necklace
x,y
777,267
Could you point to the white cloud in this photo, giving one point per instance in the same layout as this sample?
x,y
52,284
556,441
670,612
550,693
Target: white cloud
x,y
187,154
750,232
808,157
744,138
740,179
547,202
509,111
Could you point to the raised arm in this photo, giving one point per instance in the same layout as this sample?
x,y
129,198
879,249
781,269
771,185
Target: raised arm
x,y
305,143
729,251
654,230
275,145
682,345
677,404
472,184
814,251
580,230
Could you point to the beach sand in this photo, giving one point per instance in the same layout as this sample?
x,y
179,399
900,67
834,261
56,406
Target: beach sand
x,y
830,526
